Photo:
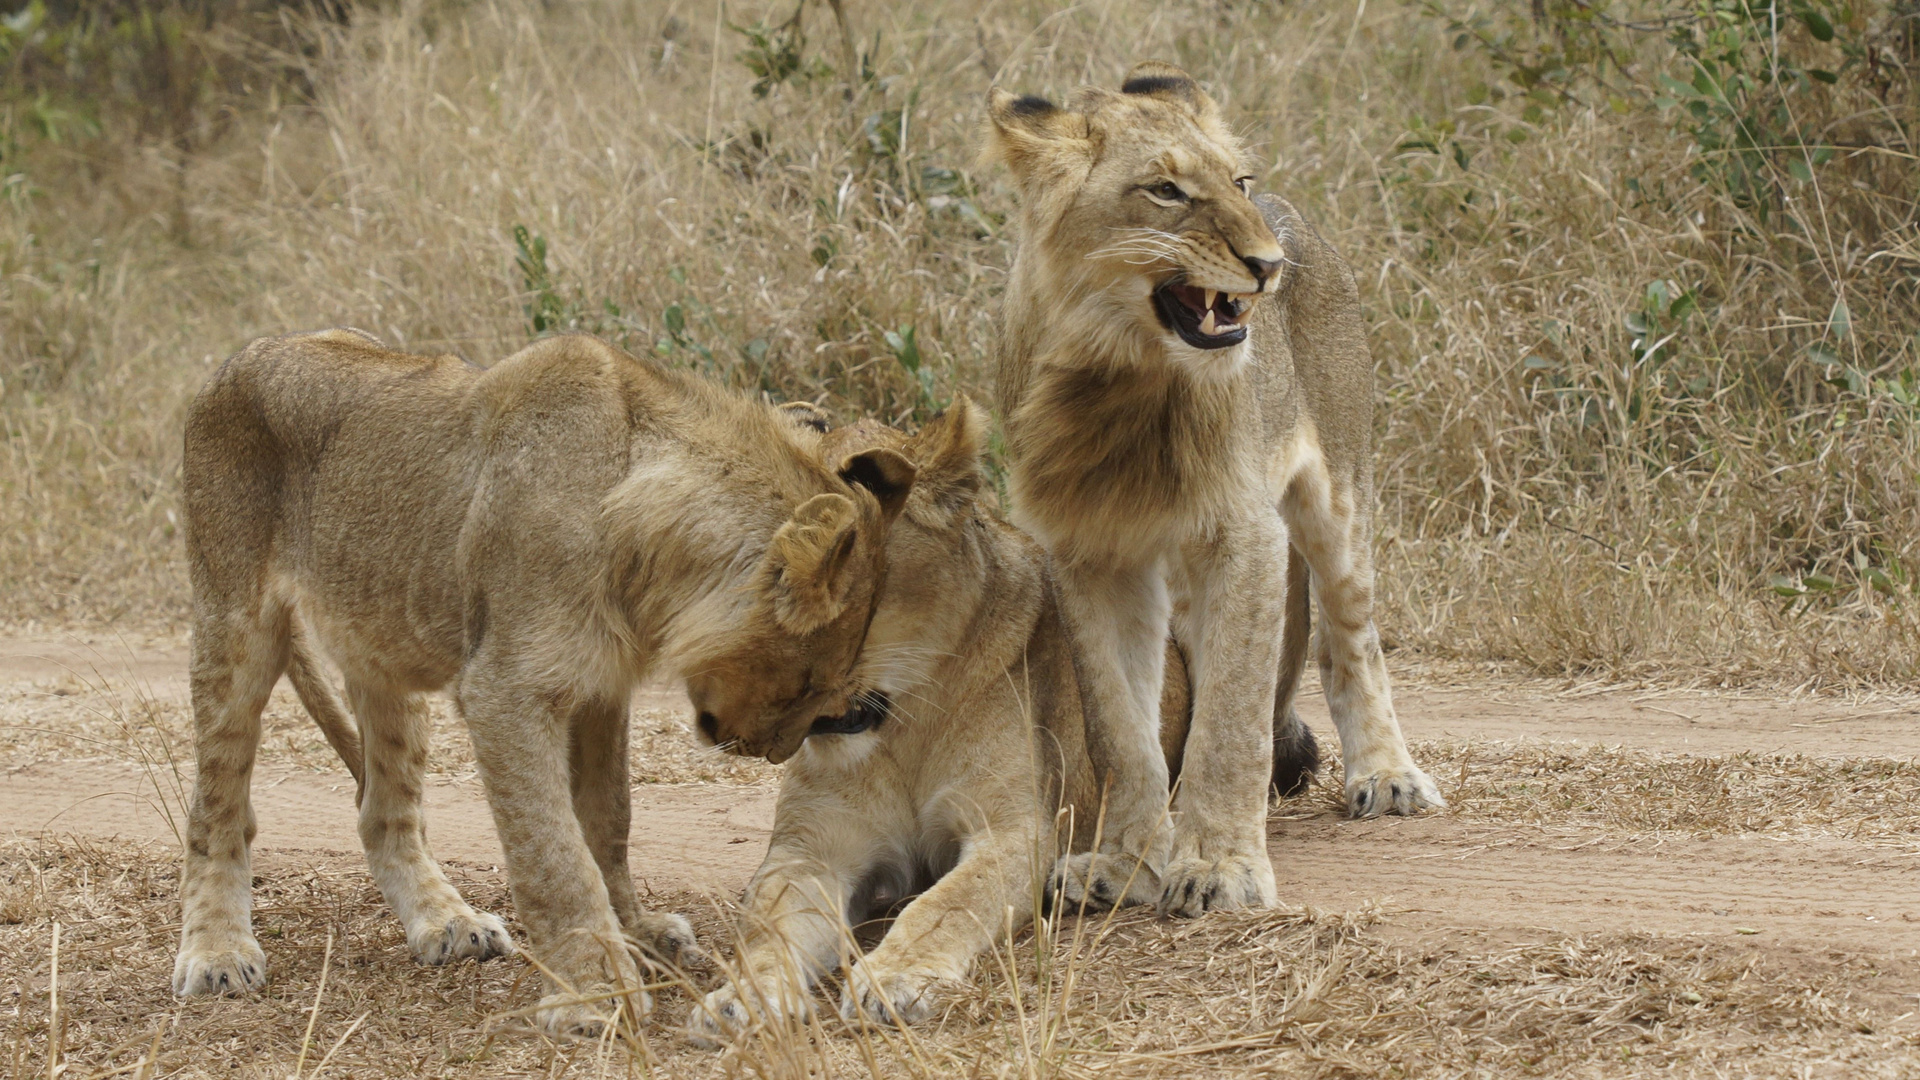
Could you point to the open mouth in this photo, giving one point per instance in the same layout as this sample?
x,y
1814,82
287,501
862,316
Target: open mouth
x,y
869,711
1204,318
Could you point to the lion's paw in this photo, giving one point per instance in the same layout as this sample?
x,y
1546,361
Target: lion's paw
x,y
719,1017
1402,789
1105,880
588,1014
905,997
667,940
470,935
1196,886
723,1014
238,968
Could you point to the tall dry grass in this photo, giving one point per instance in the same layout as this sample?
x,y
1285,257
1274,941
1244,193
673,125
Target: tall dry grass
x,y
1561,491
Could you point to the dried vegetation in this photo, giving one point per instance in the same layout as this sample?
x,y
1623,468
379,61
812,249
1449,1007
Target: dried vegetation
x,y
1642,273
1303,992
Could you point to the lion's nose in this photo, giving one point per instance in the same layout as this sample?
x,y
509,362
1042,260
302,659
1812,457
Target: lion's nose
x,y
1262,269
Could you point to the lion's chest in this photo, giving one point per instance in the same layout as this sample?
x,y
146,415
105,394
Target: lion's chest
x,y
1127,463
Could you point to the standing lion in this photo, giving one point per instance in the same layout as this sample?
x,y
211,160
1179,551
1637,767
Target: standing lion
x,y
1187,394
538,537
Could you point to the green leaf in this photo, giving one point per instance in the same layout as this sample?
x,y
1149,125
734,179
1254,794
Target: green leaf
x,y
1683,306
1817,24
1840,321
1784,586
1822,155
905,349
676,319
1798,168
1818,582
1827,77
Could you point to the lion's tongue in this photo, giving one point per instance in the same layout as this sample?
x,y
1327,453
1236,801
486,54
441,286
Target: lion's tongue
x,y
1196,300
1201,301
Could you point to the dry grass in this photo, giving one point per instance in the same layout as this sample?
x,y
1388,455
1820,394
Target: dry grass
x,y
1302,992
1297,992
1552,501
1635,793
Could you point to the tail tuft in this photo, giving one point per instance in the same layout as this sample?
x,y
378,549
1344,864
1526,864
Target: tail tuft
x,y
1296,756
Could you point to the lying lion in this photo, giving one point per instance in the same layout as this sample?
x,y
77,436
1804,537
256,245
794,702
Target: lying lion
x,y
974,771
539,536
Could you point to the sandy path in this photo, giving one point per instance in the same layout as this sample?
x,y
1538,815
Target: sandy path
x,y
1853,904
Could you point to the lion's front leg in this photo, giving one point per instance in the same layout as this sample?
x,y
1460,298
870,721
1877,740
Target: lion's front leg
x,y
986,896
1235,606
1117,620
603,801
794,929
520,741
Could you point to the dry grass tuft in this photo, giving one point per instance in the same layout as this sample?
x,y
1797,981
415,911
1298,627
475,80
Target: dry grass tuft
x,y
1305,992
1561,492
1636,793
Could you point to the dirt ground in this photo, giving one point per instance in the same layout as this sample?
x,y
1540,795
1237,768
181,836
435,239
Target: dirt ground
x,y
1597,834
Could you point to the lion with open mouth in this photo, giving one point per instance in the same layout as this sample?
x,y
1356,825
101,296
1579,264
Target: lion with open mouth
x,y
1188,398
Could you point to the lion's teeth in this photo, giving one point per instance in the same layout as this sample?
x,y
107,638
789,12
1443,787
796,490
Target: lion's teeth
x,y
1211,293
1206,324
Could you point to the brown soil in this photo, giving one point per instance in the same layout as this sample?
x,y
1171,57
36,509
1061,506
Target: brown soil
x,y
1783,831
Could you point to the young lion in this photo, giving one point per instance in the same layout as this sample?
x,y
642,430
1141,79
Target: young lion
x,y
1180,360
944,784
970,740
539,535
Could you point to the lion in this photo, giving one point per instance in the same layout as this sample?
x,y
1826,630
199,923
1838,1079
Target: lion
x,y
539,536
950,777
1187,393
934,780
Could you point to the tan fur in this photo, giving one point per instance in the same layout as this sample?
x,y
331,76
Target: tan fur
x,y
979,775
947,795
1168,479
538,536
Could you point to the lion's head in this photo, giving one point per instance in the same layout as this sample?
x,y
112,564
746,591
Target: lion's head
x,y
1138,207
932,559
776,657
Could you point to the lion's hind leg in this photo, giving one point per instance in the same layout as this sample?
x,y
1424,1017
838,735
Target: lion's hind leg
x,y
1334,533
238,655
441,927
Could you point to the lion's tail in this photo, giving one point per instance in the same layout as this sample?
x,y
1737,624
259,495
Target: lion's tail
x,y
1296,756
316,693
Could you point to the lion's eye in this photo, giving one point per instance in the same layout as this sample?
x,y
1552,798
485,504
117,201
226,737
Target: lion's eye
x,y
1245,184
1166,191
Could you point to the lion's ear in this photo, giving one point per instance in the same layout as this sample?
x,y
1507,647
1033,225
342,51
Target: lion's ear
x,y
1030,133
806,414
951,449
885,473
1156,79
810,563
